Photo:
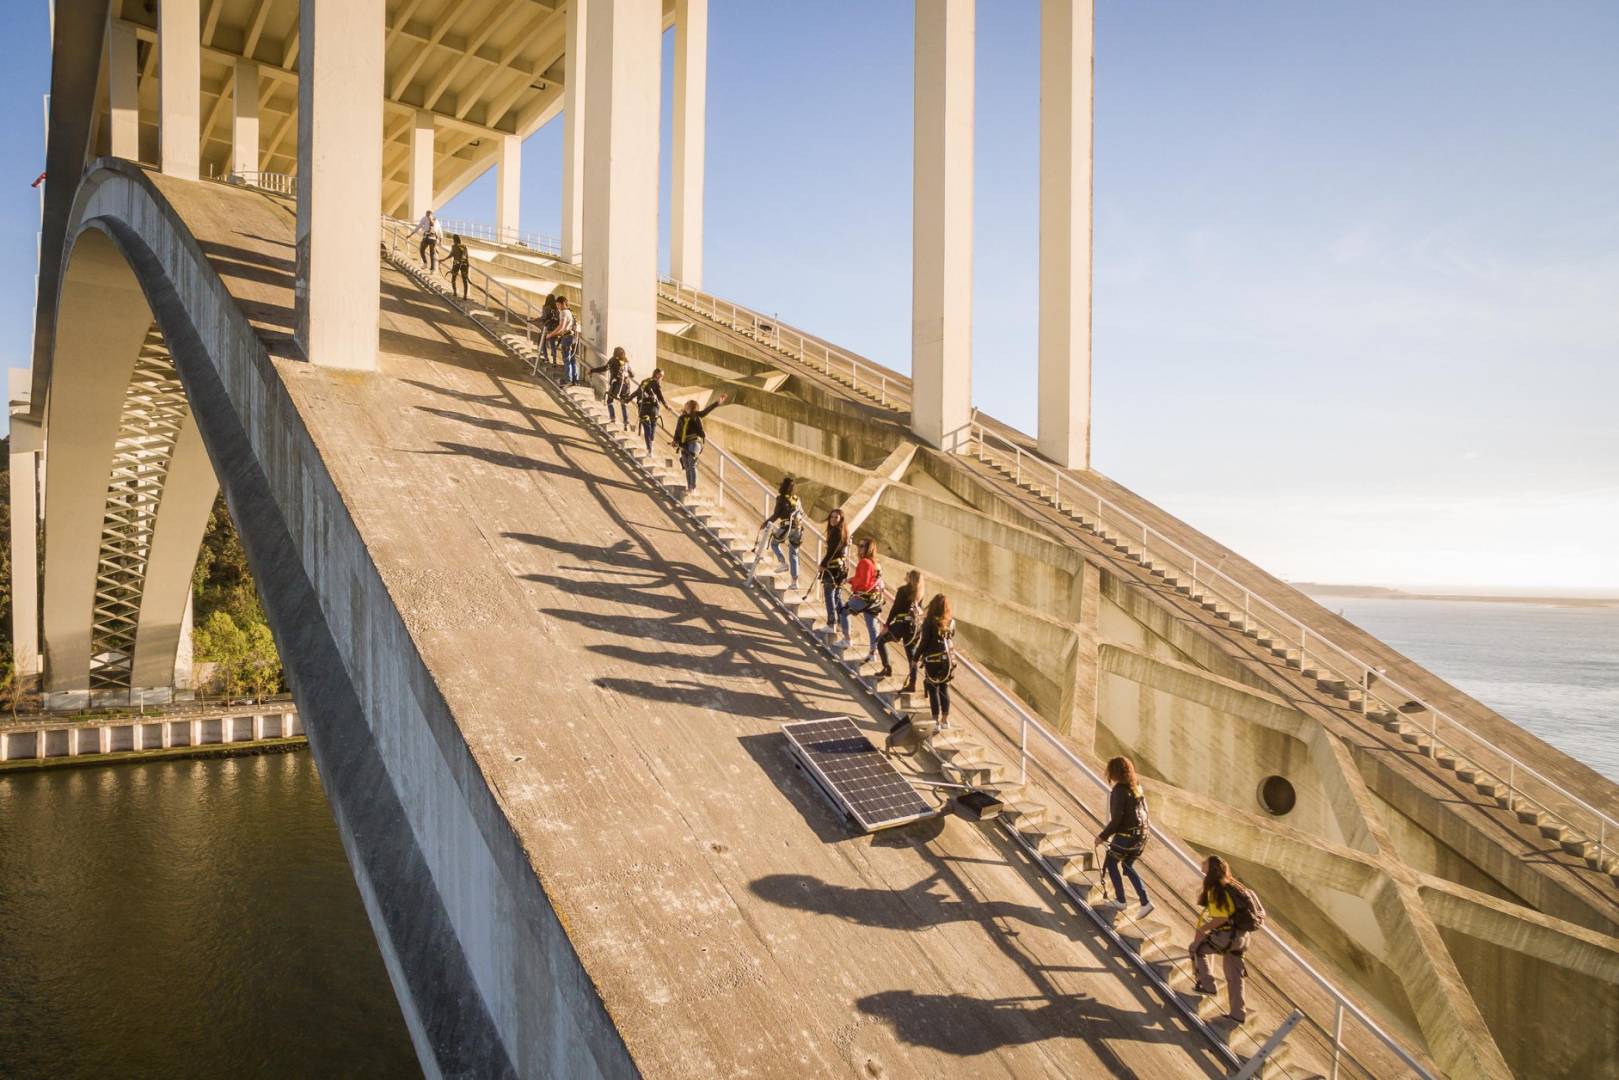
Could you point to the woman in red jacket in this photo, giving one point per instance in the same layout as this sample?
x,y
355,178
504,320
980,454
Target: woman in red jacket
x,y
866,593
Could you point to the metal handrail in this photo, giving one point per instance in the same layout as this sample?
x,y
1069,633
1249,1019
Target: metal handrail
x,y
1028,722
1338,661
280,183
541,242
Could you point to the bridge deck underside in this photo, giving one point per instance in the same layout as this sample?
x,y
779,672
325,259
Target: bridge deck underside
x,y
620,691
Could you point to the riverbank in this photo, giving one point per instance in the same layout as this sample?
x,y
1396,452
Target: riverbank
x,y
41,742
1379,592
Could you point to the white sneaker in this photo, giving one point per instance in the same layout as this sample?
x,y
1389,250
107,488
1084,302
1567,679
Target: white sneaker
x,y
1144,910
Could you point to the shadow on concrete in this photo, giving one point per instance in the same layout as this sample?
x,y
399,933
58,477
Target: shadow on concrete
x,y
522,462
917,907
770,753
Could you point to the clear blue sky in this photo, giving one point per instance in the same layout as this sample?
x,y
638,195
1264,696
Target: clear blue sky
x,y
1357,264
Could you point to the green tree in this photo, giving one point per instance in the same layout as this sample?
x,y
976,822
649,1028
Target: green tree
x,y
263,663
219,639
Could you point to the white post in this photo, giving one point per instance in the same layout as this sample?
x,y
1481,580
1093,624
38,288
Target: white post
x,y
244,132
508,181
179,59
691,106
339,180
25,442
942,212
123,91
421,164
621,174
573,135
1067,55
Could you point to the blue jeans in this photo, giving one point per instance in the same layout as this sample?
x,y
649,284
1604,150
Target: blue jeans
x,y
610,399
791,558
570,362
870,615
649,428
1111,864
836,612
688,461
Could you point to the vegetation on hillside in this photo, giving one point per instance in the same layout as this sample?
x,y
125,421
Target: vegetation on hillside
x,y
229,628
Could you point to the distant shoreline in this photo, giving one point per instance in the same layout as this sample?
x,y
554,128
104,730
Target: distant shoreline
x,y
1378,592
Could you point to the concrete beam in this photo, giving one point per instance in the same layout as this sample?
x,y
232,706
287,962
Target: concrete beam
x,y
244,132
508,185
621,174
865,498
942,223
1067,60
1204,688
180,87
340,181
1521,929
421,164
123,91
691,106
573,135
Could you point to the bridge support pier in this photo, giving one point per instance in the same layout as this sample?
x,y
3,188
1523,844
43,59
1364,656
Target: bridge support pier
x,y
508,187
179,59
123,91
1067,55
24,539
621,174
421,164
339,276
244,131
691,104
573,134
942,223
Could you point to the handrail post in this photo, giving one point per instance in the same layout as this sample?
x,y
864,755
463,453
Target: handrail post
x,y
1337,1040
1023,752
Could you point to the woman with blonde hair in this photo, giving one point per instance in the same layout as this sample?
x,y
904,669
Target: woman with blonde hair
x,y
1126,832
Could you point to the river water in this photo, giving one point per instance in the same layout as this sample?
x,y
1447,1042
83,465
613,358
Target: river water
x,y
198,918
186,919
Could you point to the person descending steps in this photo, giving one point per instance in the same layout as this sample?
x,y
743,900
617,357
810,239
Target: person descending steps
x,y
618,380
938,652
866,593
546,323
460,265
428,252
786,525
1126,832
904,626
832,573
563,335
689,436
649,401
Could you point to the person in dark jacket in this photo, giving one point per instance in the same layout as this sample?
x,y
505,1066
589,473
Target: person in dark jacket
x,y
648,400
546,323
832,573
1126,832
460,265
938,654
618,374
786,525
904,626
689,436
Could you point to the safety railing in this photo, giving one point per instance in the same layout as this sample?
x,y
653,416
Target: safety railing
x,y
280,183
534,241
1335,665
741,491
736,485
889,390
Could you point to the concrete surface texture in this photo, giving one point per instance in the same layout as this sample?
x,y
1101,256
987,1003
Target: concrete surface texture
x,y
553,755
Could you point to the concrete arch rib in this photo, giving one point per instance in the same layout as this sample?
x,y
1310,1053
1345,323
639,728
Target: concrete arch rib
x,y
488,980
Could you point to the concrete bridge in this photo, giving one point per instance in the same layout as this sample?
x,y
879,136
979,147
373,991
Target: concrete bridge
x,y
541,691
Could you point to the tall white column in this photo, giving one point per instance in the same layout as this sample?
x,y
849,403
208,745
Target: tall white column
x,y
573,135
508,186
340,68
421,164
621,174
1067,61
691,107
24,541
123,91
179,58
244,131
942,212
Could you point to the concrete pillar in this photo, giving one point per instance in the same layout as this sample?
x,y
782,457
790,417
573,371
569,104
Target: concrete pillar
x,y
508,186
244,131
942,223
691,106
179,57
24,540
123,91
621,174
1067,60
339,180
573,136
421,164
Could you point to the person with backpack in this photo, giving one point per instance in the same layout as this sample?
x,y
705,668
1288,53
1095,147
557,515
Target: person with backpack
x,y
460,265
1230,914
649,400
786,524
618,373
938,652
1126,833
866,593
690,436
904,625
832,573
428,251
546,323
563,335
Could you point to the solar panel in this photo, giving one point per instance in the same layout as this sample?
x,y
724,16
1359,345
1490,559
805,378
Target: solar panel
x,y
854,775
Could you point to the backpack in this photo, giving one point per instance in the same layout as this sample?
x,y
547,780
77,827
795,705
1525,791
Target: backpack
x,y
1250,914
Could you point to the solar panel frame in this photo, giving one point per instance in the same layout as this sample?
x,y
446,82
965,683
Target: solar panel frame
x,y
857,777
